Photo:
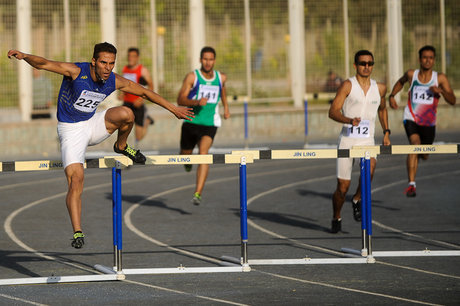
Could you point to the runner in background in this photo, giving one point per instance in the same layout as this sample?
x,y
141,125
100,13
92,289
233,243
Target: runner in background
x,y
202,89
137,73
426,87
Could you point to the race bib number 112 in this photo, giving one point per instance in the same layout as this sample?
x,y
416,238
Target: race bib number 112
x,y
88,101
360,131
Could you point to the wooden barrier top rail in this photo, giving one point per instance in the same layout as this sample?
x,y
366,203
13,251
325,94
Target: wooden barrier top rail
x,y
235,157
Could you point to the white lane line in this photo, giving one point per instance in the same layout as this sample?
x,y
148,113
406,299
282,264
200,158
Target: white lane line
x,y
376,223
130,225
21,300
347,289
10,232
42,181
417,270
267,231
260,228
186,293
9,221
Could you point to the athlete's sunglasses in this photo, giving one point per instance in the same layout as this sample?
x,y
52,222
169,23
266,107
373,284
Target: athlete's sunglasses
x,y
370,64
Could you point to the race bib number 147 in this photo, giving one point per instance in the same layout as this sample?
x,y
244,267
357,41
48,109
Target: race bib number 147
x,y
88,101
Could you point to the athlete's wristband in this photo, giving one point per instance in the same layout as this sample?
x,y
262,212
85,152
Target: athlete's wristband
x,y
387,130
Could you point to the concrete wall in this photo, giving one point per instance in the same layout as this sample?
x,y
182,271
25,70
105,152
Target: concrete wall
x,y
38,139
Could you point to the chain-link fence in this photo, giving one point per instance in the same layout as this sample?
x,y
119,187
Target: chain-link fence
x,y
325,46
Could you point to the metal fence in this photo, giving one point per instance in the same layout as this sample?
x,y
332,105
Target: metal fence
x,y
325,45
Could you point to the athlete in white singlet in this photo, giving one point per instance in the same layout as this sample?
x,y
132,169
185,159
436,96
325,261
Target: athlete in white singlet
x,y
358,102
420,112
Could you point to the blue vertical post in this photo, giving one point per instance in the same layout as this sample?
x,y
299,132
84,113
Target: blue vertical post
x,y
243,213
305,109
246,132
363,205
368,203
119,219
114,215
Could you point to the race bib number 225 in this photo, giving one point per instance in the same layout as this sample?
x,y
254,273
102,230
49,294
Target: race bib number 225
x,y
88,101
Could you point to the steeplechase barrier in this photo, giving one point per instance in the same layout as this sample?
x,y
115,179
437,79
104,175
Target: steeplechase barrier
x,y
230,264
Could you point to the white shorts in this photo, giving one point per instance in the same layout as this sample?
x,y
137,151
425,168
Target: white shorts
x,y
76,137
345,165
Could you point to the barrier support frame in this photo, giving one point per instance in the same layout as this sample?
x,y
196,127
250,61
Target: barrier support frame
x,y
242,266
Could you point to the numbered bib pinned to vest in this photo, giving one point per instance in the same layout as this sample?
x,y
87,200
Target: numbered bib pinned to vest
x,y
422,95
360,131
88,101
210,92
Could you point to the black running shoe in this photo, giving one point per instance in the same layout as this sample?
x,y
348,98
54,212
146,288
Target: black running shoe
x,y
356,210
135,155
78,240
151,120
336,226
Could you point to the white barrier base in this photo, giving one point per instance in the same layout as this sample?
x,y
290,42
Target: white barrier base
x,y
178,270
307,261
415,253
299,261
61,279
406,253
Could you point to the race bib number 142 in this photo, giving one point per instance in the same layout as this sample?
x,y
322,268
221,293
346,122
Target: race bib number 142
x,y
88,101
422,95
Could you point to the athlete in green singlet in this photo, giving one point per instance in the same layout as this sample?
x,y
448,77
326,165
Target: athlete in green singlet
x,y
202,89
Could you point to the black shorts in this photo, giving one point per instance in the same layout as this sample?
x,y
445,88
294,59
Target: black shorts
x,y
139,113
426,133
192,133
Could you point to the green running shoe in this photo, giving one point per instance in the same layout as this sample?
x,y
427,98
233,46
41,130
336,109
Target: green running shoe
x,y
78,240
188,168
135,155
196,199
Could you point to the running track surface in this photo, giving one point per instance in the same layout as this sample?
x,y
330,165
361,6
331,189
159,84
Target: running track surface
x,y
289,212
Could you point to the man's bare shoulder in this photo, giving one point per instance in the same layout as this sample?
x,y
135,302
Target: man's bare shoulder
x,y
345,87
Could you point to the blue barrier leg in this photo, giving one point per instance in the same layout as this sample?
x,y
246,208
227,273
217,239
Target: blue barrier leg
x,y
363,206
119,221
368,204
114,215
246,133
243,213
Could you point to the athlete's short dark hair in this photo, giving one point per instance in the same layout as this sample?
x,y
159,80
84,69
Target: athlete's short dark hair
x,y
133,49
361,53
206,50
426,48
103,47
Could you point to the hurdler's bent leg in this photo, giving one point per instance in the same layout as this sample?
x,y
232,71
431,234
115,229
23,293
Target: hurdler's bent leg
x,y
122,119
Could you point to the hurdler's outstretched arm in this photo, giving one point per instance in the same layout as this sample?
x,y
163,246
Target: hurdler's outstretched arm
x,y
63,68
